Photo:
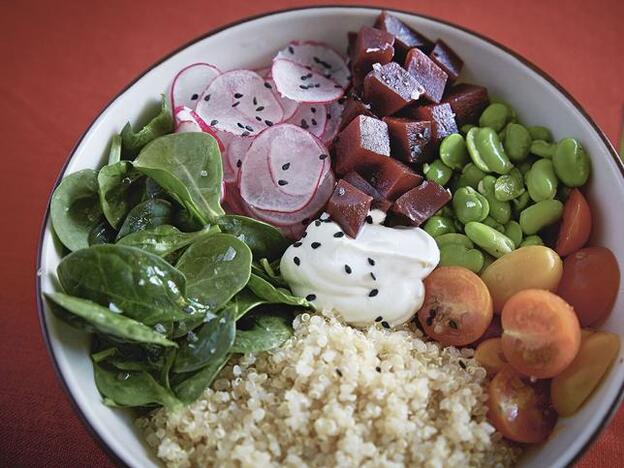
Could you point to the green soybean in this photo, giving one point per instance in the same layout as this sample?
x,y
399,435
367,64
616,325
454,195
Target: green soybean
x,y
489,239
540,133
525,166
470,177
499,210
514,232
509,186
438,225
495,116
571,162
464,129
454,238
521,202
538,216
517,142
469,205
541,181
453,151
486,151
542,148
438,172
532,240
446,211
459,255
513,115
489,221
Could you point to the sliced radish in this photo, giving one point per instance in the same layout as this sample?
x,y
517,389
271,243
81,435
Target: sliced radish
x,y
288,105
187,126
187,120
332,122
320,58
300,84
310,117
264,72
190,82
239,102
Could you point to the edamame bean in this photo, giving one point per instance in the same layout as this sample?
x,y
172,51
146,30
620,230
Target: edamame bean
x,y
499,210
446,211
486,151
459,255
538,216
489,239
470,205
540,133
439,225
464,129
454,238
514,232
438,172
542,148
525,166
495,116
513,115
470,177
509,186
521,202
541,181
571,162
453,151
532,240
517,141
489,221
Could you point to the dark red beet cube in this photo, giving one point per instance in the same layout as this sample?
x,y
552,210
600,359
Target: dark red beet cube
x,y
410,140
389,88
391,178
467,101
447,60
364,141
442,119
349,207
372,46
427,73
353,107
351,38
420,203
360,183
405,37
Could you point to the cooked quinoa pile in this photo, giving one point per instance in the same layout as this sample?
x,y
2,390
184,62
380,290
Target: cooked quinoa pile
x,y
337,396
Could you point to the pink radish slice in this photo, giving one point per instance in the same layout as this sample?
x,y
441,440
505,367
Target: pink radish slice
x,y
193,123
187,126
264,72
233,204
296,82
240,103
310,117
320,58
288,105
332,122
190,82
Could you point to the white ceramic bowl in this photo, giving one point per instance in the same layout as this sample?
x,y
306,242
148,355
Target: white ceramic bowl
x,y
251,43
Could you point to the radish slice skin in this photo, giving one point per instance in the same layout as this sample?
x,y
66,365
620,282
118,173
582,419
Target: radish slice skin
x,y
333,113
320,58
310,117
296,82
190,82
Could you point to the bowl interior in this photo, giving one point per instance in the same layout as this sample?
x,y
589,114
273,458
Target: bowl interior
x,y
252,44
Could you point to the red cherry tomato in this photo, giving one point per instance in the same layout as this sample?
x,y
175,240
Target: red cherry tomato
x,y
575,226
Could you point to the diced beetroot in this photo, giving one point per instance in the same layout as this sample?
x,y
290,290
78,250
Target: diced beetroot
x,y
410,140
441,116
467,101
427,73
372,46
390,177
360,183
420,203
364,141
389,88
349,207
351,38
353,107
405,37
447,60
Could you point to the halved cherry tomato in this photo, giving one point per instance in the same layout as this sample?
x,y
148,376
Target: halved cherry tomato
x,y
541,334
457,308
575,225
590,283
490,355
519,409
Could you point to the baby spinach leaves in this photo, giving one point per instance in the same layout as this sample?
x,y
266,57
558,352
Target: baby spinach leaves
x,y
267,330
120,189
264,240
265,290
164,240
146,215
102,233
192,388
114,153
162,124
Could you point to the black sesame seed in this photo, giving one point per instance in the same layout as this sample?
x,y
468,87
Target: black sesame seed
x,y
342,100
304,124
207,97
194,97
379,319
462,364
259,108
297,244
373,292
373,276
337,86
310,297
268,85
305,233
313,109
315,245
348,269
245,133
239,163
258,118
339,372
369,219
453,324
314,122
297,261
282,182
339,234
238,95
268,123
240,125
317,223
378,369
385,324
318,85
285,166
323,156
303,86
371,262
255,101
236,104
249,127
328,116
291,50
214,122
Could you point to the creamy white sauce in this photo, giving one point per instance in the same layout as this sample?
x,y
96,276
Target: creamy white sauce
x,y
378,274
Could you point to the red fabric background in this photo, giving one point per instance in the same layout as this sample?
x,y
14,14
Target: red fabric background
x,y
61,62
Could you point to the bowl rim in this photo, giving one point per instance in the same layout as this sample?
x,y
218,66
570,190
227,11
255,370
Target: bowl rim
x,y
114,456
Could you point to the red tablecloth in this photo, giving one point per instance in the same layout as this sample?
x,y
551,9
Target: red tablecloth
x,y
60,62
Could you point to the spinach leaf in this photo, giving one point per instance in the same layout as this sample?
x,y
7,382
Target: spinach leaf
x,y
146,215
267,271
75,208
139,284
265,290
263,239
162,124
192,388
114,154
131,388
246,301
267,331
216,268
102,233
107,322
165,239
120,188
153,190
212,341
100,356
188,166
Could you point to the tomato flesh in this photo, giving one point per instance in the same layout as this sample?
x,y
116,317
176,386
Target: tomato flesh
x,y
576,224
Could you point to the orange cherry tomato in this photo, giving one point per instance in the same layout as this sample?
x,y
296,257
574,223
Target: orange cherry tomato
x,y
490,355
519,409
575,225
457,308
590,283
541,334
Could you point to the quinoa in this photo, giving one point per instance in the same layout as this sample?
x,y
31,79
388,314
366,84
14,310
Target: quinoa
x,y
334,395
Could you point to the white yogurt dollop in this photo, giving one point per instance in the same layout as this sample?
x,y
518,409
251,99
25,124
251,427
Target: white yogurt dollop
x,y
378,274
